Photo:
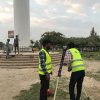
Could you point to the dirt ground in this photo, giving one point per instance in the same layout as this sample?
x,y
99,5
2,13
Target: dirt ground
x,y
12,81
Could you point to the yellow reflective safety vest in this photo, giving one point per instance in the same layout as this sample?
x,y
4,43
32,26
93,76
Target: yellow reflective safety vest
x,y
48,64
77,61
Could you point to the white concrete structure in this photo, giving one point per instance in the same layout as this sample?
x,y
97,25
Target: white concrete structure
x,y
22,21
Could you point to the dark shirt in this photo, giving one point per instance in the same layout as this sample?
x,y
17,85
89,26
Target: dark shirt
x,y
16,42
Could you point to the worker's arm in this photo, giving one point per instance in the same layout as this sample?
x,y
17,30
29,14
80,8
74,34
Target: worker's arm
x,y
68,59
42,61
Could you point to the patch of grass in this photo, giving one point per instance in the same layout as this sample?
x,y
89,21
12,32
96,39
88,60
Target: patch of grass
x,y
92,55
33,92
95,75
62,93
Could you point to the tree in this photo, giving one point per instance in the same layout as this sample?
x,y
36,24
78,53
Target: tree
x,y
93,40
37,44
92,33
32,42
57,38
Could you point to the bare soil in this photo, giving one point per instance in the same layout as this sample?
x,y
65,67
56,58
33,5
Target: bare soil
x,y
12,81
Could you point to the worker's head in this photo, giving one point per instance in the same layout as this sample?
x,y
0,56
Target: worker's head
x,y
71,45
8,40
47,44
16,36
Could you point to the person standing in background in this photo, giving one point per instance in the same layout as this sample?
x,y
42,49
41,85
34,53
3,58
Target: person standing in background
x,y
16,44
7,48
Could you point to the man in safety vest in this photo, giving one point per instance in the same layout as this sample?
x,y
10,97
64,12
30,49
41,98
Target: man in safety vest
x,y
76,65
44,68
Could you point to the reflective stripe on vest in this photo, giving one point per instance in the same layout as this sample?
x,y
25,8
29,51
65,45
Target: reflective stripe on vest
x,y
77,62
81,65
47,63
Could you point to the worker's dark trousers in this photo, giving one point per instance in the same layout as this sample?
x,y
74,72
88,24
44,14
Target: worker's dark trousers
x,y
76,79
44,87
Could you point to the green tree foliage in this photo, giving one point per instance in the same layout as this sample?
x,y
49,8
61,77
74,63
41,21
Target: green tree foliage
x,y
93,39
37,44
92,33
57,38
79,42
32,42
91,42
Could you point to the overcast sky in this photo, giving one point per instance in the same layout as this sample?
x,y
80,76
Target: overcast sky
x,y
73,18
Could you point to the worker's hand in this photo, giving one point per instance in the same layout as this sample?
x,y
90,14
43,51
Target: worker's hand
x,y
51,73
48,76
69,69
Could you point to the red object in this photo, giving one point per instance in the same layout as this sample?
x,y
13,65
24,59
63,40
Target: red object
x,y
48,92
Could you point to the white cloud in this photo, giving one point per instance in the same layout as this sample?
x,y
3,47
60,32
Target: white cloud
x,y
67,2
4,3
5,18
96,8
37,21
6,11
9,2
41,2
40,22
59,2
76,9
50,12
